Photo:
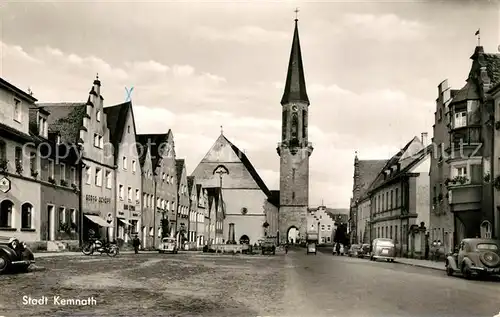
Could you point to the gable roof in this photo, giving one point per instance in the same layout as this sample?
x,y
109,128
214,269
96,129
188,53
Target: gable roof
x,y
179,165
116,117
155,141
368,171
16,91
66,118
242,159
415,159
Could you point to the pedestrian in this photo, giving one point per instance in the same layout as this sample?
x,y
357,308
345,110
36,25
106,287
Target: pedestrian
x,y
433,249
136,243
286,248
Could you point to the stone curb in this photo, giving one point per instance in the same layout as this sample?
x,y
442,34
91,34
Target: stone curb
x,y
420,265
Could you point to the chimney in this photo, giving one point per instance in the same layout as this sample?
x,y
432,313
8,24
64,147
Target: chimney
x,y
424,138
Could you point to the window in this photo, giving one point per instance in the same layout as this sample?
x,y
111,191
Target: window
x,y
396,234
329,227
137,196
440,114
109,179
128,129
33,165
129,193
145,200
98,176
124,162
328,239
98,116
163,176
26,216
88,175
322,227
392,199
19,160
460,119
397,198
17,110
121,192
73,220
62,215
6,207
58,140
134,166
62,171
98,140
51,168
3,151
42,123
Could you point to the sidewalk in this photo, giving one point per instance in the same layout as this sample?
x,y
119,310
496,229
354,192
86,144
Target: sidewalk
x,y
422,263
39,255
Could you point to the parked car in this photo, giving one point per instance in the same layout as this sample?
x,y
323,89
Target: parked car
x,y
475,257
311,248
14,254
354,250
364,251
383,249
268,247
168,245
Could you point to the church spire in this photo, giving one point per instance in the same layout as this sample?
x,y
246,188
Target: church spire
x,y
295,87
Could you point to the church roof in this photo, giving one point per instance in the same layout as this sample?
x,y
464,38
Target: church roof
x,y
155,142
211,161
295,86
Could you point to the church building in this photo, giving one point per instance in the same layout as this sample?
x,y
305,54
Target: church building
x,y
250,210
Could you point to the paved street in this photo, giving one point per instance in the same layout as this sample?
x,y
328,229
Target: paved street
x,y
195,284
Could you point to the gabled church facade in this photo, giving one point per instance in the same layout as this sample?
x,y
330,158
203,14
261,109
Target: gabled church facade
x,y
247,200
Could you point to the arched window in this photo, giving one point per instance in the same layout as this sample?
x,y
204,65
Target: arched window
x,y
486,230
6,214
295,126
26,216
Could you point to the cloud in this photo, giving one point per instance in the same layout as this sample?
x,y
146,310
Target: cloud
x,y
244,35
194,103
383,27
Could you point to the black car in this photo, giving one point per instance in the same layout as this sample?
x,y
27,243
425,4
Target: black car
x,y
14,254
268,247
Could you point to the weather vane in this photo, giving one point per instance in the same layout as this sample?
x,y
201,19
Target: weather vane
x,y
296,14
221,130
478,34
129,93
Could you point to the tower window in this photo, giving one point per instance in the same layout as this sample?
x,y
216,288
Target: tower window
x,y
295,126
285,117
304,123
293,174
293,195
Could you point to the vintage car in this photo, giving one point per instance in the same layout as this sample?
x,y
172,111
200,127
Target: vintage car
x,y
268,247
311,248
364,250
475,257
14,255
354,250
168,245
383,249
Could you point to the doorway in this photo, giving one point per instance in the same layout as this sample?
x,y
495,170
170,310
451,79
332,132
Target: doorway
x,y
51,234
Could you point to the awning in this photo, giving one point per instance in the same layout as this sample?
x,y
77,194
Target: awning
x,y
125,222
98,220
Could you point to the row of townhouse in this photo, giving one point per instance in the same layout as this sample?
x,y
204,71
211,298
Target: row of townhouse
x,y
444,191
391,198
325,221
69,168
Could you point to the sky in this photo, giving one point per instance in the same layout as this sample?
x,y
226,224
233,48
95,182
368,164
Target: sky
x,y
372,70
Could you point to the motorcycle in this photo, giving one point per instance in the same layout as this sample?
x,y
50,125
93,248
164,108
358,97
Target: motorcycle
x,y
111,249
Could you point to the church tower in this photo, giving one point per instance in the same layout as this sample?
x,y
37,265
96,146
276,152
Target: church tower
x,y
294,149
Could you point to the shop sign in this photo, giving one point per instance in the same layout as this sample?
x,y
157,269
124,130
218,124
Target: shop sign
x,y
97,199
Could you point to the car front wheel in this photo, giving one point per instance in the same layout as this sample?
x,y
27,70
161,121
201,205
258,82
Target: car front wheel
x,y
466,272
449,270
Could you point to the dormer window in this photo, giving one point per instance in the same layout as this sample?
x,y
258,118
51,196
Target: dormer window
x,y
98,141
460,119
98,116
58,139
42,127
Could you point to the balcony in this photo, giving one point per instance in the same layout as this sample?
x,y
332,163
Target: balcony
x,y
462,197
